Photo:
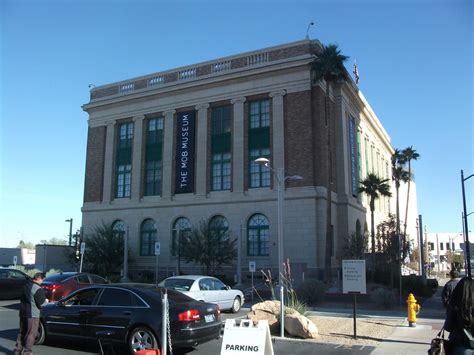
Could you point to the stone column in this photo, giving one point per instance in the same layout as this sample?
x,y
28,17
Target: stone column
x,y
168,163
109,162
201,149
137,157
278,130
238,145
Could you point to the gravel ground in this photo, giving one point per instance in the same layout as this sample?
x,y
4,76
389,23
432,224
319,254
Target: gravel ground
x,y
337,330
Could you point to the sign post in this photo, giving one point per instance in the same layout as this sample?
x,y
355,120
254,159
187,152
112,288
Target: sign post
x,y
252,267
15,259
157,252
83,250
354,282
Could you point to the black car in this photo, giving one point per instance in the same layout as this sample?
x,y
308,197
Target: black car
x,y
130,314
12,282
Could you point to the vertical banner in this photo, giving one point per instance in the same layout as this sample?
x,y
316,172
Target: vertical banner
x,y
185,142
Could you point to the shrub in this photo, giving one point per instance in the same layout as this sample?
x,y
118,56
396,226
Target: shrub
x,y
383,298
414,284
311,291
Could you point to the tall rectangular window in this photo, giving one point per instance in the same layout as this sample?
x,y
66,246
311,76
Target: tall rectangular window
x,y
221,122
259,142
123,173
153,156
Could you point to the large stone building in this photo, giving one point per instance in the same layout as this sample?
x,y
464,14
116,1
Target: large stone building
x,y
170,149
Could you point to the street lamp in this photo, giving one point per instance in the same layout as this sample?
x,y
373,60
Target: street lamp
x,y
466,229
280,178
70,230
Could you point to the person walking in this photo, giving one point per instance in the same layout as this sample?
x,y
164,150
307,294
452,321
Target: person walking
x,y
32,299
449,287
460,318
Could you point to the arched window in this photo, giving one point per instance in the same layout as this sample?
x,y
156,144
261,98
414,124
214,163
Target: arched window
x,y
119,228
258,235
181,229
147,237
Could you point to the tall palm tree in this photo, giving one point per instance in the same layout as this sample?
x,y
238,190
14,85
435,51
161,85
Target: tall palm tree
x,y
409,154
399,175
374,187
329,65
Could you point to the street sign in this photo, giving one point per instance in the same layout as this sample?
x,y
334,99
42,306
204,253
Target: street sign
x,y
353,276
15,259
252,266
157,248
83,247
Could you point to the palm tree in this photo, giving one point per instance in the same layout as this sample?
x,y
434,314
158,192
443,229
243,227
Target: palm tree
x,y
409,154
329,65
399,175
374,187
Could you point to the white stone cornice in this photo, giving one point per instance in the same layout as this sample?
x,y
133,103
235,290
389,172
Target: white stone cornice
x,y
202,106
238,100
278,93
138,118
110,122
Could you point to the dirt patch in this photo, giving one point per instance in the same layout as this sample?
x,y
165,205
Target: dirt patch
x,y
370,331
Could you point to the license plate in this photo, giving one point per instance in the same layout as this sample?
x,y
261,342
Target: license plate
x,y
209,318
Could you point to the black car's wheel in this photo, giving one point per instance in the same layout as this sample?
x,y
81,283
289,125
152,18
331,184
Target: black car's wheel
x,y
142,338
236,305
41,336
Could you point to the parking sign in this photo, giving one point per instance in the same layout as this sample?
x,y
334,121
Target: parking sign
x,y
157,248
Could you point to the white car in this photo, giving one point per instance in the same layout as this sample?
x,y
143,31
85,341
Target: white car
x,y
206,289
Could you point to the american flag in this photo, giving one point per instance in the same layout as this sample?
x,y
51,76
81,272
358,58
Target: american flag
x,y
356,73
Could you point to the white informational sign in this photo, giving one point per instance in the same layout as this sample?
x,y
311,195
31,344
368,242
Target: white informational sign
x,y
252,266
246,338
157,248
83,247
15,259
353,276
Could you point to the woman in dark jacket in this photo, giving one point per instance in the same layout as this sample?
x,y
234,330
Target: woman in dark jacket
x,y
460,318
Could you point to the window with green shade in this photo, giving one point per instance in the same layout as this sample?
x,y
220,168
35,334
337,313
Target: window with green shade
x,y
148,237
123,163
258,237
259,142
153,157
221,121
181,229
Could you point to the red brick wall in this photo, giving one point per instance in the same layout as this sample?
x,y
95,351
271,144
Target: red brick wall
x,y
95,159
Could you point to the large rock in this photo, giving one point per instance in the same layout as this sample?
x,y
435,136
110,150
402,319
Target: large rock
x,y
259,314
300,326
272,307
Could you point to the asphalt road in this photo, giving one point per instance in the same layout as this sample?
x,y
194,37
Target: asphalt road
x,y
9,331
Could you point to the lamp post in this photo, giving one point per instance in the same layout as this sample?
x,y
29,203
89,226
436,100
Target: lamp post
x,y
466,229
70,230
280,178
125,256
44,255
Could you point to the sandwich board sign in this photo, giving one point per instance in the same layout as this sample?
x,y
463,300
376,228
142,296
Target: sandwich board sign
x,y
247,338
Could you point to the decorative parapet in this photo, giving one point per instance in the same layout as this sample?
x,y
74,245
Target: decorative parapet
x,y
213,68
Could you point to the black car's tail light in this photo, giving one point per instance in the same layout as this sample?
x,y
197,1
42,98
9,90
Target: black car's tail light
x,y
53,287
189,316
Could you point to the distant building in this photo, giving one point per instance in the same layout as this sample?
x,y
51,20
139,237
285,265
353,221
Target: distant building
x,y
169,149
54,257
439,244
23,256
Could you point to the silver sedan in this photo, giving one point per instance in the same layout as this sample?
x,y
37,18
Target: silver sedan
x,y
206,289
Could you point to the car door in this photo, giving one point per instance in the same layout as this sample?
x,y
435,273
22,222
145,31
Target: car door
x,y
223,296
5,289
17,283
68,318
115,309
208,290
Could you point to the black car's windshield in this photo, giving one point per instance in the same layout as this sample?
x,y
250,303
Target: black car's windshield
x,y
178,284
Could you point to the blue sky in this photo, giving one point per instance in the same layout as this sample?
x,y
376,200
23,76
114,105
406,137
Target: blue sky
x,y
415,60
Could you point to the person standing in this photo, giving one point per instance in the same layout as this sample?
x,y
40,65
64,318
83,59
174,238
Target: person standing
x,y
32,299
449,287
460,318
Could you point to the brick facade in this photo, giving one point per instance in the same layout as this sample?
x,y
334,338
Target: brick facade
x,y
94,164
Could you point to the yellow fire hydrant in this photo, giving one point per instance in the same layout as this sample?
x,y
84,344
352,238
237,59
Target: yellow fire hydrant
x,y
413,309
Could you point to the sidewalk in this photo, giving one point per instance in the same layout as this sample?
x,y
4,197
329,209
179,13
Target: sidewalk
x,y
416,340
